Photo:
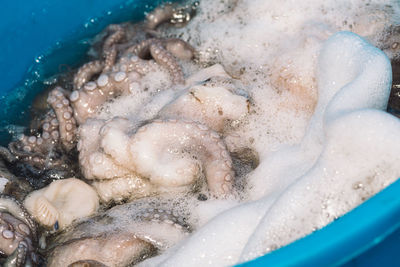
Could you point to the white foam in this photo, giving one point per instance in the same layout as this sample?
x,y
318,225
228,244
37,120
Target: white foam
x,y
304,180
315,107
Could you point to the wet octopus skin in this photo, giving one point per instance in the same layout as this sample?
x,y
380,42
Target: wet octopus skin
x,y
123,155
124,77
120,245
18,238
171,13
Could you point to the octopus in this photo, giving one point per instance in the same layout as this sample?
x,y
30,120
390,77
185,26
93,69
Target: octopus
x,y
121,236
118,69
18,234
181,150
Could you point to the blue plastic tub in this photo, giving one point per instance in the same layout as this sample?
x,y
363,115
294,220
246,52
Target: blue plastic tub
x,y
367,236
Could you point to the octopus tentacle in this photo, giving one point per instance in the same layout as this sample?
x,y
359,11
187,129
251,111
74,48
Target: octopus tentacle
x,y
173,153
140,232
17,258
155,47
95,163
130,249
117,34
67,124
110,51
38,146
167,60
141,49
7,155
86,72
179,48
85,102
12,206
119,189
135,65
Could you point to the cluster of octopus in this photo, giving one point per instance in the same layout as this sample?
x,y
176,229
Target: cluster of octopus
x,y
176,149
210,154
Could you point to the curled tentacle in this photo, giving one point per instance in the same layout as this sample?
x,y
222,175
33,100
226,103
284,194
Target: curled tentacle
x,y
86,72
109,47
163,53
174,153
135,65
117,34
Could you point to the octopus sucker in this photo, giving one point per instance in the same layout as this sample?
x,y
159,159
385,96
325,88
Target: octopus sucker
x,y
61,202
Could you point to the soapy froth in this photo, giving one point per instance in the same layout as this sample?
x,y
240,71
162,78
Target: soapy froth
x,y
308,95
315,102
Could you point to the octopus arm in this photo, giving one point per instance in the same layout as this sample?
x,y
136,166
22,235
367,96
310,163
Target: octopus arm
x,y
87,100
163,57
174,153
119,189
67,124
12,206
86,71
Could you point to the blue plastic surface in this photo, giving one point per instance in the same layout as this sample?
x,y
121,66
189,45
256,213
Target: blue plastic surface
x,y
367,236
